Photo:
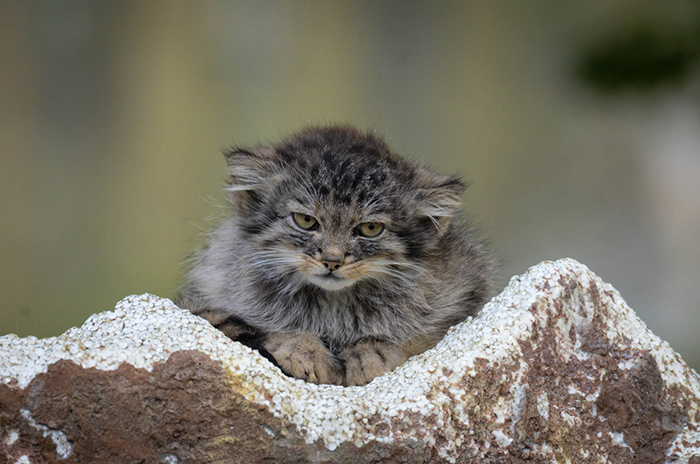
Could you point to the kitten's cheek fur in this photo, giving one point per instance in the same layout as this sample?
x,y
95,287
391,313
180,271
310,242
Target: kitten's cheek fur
x,y
369,359
304,356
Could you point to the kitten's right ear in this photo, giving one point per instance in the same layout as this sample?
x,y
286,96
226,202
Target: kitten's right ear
x,y
250,172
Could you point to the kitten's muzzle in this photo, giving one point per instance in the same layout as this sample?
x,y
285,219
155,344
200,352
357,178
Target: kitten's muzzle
x,y
332,261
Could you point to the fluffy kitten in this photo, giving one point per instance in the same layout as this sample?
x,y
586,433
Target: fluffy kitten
x,y
340,259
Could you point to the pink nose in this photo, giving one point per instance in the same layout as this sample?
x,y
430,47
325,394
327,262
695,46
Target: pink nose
x,y
331,261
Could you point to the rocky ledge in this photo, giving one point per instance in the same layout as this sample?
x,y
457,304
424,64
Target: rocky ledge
x,y
557,368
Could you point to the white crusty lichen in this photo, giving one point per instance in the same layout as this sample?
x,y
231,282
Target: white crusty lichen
x,y
145,330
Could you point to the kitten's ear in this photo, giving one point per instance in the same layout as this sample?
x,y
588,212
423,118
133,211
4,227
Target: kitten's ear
x,y
441,197
250,172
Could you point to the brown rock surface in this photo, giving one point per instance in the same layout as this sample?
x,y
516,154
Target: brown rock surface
x,y
556,369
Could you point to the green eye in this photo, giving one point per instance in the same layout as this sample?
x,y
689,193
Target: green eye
x,y
305,221
370,229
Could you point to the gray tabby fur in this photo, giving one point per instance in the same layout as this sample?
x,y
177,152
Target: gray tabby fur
x,y
262,279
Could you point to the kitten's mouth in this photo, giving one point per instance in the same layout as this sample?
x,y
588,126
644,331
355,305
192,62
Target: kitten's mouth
x,y
330,281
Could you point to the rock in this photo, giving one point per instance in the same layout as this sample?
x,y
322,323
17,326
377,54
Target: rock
x,y
557,368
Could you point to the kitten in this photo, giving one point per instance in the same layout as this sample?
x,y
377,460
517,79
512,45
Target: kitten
x,y
340,259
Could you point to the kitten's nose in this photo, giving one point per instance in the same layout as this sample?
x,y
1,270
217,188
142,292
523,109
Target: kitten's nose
x,y
331,260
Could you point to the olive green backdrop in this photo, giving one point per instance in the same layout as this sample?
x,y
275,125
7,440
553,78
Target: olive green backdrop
x,y
577,124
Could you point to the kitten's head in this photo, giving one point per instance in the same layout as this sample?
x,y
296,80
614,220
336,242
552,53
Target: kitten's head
x,y
332,207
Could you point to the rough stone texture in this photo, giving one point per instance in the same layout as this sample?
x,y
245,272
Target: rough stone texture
x,y
556,369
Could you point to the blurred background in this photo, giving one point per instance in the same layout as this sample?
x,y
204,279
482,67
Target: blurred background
x,y
577,124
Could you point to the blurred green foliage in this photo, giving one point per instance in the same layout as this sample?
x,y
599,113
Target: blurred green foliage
x,y
644,58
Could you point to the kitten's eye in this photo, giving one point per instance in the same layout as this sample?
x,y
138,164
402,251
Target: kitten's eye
x,y
370,229
305,221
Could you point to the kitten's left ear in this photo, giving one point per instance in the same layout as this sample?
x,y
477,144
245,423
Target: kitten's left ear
x,y
441,197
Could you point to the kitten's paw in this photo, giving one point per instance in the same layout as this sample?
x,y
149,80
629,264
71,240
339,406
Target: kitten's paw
x,y
305,357
369,359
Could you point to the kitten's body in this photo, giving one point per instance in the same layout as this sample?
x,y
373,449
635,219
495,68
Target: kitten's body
x,y
331,303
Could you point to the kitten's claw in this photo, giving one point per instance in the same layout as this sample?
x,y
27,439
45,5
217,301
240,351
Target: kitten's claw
x,y
304,356
369,359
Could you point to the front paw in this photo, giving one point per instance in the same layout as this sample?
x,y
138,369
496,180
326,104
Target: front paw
x,y
369,359
305,357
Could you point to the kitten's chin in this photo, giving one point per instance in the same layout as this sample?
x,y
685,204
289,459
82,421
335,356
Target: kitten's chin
x,y
330,283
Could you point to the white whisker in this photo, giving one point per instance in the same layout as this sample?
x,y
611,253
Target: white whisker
x,y
238,188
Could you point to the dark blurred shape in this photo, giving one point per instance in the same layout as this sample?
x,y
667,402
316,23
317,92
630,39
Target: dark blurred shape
x,y
647,56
